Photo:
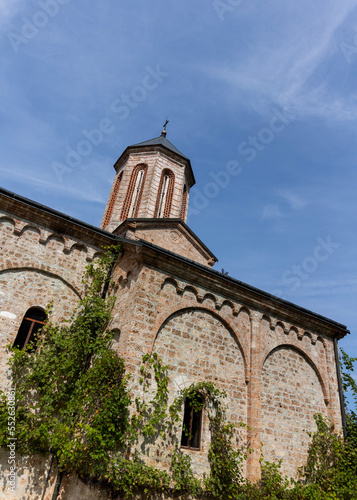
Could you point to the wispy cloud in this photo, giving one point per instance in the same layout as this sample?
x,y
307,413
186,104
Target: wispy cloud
x,y
272,212
295,201
283,73
328,287
9,9
85,192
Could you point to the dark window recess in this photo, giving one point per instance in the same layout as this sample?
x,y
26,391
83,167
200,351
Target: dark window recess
x,y
33,321
191,429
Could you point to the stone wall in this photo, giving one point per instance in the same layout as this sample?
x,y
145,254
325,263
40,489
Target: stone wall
x,y
37,268
291,395
208,336
276,362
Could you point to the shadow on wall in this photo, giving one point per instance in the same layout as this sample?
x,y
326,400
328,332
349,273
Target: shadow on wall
x,y
31,475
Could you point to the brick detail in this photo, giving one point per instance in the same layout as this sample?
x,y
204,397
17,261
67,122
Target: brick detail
x,y
170,190
108,215
130,191
183,203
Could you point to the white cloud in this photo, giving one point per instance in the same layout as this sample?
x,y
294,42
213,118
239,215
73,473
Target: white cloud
x,y
295,201
280,63
272,212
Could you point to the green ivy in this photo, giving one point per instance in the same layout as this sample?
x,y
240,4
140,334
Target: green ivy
x,y
73,400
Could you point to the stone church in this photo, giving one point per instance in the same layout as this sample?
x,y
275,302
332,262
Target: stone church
x,y
276,360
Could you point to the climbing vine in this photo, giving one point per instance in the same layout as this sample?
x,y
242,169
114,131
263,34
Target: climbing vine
x,y
74,401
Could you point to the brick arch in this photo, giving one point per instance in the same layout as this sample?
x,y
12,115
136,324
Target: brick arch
x,y
55,237
130,190
78,246
112,201
43,272
183,203
307,358
244,309
30,227
197,345
25,288
7,219
167,316
292,391
170,191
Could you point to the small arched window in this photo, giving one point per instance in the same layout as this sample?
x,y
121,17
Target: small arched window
x,y
183,203
33,321
165,193
112,200
191,427
134,193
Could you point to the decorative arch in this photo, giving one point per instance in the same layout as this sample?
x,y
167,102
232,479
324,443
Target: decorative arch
x,y
198,345
6,219
111,204
224,322
244,309
307,359
135,191
55,237
165,194
170,281
41,271
30,227
78,246
189,289
281,325
292,391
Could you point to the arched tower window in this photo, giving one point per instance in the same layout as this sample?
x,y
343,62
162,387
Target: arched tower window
x,y
33,321
183,203
165,193
134,193
191,427
112,200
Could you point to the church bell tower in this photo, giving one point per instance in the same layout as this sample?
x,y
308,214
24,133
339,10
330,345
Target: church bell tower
x,y
149,199
153,180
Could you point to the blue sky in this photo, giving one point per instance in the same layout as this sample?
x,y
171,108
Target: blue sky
x,y
261,96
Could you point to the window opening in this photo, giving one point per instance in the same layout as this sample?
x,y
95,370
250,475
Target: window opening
x,y
191,428
136,194
165,185
165,194
33,321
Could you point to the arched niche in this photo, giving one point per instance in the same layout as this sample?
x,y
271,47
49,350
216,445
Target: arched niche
x,y
291,393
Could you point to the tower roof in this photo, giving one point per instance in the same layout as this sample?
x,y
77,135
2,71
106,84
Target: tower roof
x,y
160,141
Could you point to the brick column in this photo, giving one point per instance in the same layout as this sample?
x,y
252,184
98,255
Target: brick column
x,y
254,400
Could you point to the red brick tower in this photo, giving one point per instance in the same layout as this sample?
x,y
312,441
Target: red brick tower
x,y
153,180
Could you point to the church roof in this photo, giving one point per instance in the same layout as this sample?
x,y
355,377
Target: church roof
x,y
160,141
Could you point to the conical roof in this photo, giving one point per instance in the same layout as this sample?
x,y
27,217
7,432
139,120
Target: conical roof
x,y
162,141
